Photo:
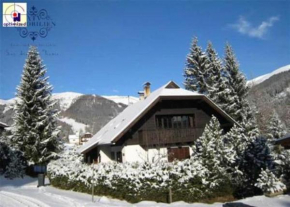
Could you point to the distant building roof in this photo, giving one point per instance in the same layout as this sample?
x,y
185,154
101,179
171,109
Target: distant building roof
x,y
3,125
286,137
117,126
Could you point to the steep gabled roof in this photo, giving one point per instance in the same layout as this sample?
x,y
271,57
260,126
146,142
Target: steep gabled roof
x,y
121,123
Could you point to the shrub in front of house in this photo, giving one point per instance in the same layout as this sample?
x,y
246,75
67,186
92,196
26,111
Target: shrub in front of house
x,y
134,182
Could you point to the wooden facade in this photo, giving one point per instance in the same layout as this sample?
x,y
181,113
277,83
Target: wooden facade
x,y
171,123
147,133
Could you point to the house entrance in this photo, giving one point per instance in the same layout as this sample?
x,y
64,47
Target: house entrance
x,y
180,153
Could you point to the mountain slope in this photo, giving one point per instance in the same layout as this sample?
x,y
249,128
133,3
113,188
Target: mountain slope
x,y
272,93
78,112
65,99
127,100
262,78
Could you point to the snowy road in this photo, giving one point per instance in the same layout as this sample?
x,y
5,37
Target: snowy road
x,y
24,193
12,199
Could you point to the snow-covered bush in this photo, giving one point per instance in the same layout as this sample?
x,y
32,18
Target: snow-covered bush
x,y
189,179
12,163
269,183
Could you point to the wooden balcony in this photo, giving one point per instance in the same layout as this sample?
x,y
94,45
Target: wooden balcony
x,y
169,136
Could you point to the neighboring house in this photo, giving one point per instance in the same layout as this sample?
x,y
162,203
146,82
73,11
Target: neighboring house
x,y
284,141
2,127
164,125
85,138
74,139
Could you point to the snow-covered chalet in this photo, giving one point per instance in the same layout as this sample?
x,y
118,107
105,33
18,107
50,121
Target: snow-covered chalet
x,y
162,125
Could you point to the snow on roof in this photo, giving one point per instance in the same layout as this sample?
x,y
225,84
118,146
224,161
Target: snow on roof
x,y
117,126
3,124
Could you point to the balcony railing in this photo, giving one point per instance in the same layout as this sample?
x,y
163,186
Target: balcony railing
x,y
169,136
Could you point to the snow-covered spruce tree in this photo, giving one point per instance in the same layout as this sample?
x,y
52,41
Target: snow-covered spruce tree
x,y
238,107
34,131
239,141
275,128
197,69
236,79
257,156
217,84
237,85
212,149
269,183
12,163
249,122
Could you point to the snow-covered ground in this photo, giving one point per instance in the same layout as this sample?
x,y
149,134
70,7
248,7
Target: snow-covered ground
x,y
262,78
23,192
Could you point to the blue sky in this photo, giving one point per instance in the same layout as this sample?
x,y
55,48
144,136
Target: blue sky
x,y
113,47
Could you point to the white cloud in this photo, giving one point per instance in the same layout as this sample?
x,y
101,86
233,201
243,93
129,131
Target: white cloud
x,y
245,27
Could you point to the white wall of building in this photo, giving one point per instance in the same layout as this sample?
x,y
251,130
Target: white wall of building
x,y
134,153
105,153
73,139
155,155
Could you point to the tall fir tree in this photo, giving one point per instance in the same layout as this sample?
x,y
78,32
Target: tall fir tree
x,y
238,107
249,122
275,128
236,78
197,69
236,85
217,83
34,131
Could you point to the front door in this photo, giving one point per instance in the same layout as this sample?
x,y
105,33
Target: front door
x,y
178,153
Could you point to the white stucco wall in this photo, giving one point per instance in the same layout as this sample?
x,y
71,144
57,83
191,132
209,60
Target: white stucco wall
x,y
157,154
135,153
105,153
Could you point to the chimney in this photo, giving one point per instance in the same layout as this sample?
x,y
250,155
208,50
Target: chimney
x,y
141,95
146,89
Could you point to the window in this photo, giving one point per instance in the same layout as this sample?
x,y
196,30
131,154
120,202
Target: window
x,y
175,121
